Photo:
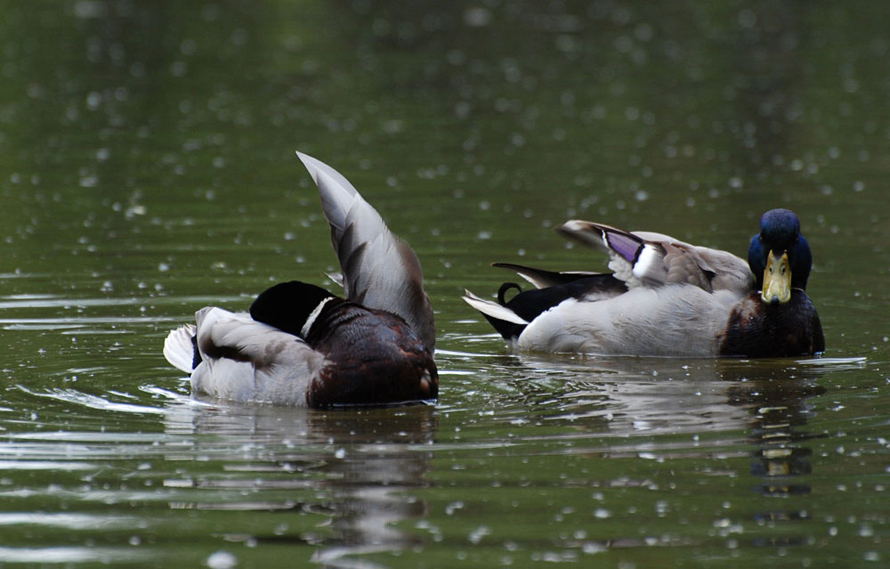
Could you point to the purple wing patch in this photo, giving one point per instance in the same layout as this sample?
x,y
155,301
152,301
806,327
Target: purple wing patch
x,y
626,245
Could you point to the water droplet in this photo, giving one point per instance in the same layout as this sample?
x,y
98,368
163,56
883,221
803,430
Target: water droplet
x,y
221,560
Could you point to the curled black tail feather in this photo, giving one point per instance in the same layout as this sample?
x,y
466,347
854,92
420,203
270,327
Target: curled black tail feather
x,y
502,292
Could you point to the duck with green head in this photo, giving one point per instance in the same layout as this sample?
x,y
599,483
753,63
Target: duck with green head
x,y
665,297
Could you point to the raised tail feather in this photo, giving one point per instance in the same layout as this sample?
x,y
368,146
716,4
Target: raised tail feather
x,y
380,270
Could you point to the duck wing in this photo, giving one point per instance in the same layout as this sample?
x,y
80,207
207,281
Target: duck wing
x,y
245,360
380,270
541,278
647,259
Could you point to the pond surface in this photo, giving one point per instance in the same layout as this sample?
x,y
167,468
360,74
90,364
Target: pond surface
x,y
147,170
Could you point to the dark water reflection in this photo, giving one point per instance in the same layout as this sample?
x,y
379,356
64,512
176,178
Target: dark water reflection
x,y
363,466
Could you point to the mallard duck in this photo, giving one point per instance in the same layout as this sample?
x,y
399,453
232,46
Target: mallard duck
x,y
667,298
301,345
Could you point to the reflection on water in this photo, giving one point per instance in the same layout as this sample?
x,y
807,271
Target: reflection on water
x,y
737,404
777,404
362,465
661,395
606,451
776,400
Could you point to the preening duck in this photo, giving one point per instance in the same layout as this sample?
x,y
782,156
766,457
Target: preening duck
x,y
667,298
301,345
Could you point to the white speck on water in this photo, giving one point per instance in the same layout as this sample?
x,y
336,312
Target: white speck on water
x,y
477,534
94,99
866,531
592,547
221,560
89,182
453,507
477,17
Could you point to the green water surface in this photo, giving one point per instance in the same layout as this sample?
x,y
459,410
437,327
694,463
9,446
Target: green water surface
x,y
147,169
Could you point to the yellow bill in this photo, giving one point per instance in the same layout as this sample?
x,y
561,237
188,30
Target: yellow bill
x,y
776,279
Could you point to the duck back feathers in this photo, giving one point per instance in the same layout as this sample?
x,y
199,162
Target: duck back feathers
x,y
379,359
670,320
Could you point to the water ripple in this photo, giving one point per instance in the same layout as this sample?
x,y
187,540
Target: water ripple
x,y
47,555
92,401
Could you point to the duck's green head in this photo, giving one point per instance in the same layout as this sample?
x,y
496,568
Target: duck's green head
x,y
779,256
